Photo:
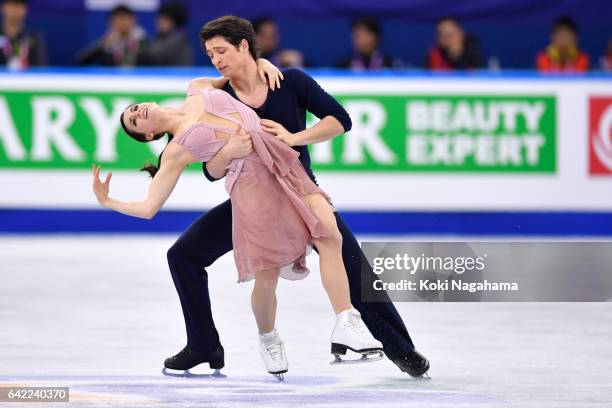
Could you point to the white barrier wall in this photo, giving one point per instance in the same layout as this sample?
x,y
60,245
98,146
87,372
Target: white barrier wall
x,y
417,143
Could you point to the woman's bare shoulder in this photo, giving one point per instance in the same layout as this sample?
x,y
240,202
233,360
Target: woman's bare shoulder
x,y
207,82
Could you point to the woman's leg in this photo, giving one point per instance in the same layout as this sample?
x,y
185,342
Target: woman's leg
x,y
263,299
349,332
263,302
333,273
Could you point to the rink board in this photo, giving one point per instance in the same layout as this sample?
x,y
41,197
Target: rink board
x,y
528,151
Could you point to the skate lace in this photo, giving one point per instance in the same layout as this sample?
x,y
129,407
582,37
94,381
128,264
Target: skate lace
x,y
275,351
181,353
355,326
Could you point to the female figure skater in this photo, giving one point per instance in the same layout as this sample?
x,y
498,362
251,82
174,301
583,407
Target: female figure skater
x,y
277,210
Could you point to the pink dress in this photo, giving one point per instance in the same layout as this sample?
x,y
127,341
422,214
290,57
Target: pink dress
x,y
272,225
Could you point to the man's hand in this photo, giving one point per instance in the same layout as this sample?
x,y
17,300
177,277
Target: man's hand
x,y
239,145
279,131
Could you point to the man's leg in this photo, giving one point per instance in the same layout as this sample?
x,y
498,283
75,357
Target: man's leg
x,y
381,318
206,240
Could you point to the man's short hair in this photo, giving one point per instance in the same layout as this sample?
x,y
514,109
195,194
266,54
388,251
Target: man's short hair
x,y
121,10
449,19
233,29
260,22
565,22
24,2
175,12
369,24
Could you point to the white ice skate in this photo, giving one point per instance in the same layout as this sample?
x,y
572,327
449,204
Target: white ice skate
x,y
272,351
352,334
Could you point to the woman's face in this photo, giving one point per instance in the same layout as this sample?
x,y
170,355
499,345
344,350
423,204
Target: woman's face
x,y
143,118
227,58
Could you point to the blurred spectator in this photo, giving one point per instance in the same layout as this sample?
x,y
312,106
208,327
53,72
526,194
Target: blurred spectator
x,y
171,45
366,35
268,40
563,54
454,49
120,45
606,60
21,47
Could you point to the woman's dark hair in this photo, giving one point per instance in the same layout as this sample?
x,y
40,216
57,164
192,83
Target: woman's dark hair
x,y
151,168
141,137
369,23
565,22
233,29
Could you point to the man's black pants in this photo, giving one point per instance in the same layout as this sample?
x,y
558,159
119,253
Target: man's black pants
x,y
210,237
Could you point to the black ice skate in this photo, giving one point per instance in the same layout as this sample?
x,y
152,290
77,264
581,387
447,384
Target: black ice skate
x,y
413,363
187,358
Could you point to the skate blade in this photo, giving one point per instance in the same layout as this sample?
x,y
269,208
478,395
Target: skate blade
x,y
280,377
188,374
368,357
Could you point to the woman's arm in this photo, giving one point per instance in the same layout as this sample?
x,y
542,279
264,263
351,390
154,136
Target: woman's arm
x,y
206,82
159,190
265,69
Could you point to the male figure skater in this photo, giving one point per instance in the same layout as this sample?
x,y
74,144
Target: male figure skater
x,y
229,42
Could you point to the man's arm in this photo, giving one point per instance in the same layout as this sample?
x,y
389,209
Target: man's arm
x,y
315,100
335,120
238,145
325,129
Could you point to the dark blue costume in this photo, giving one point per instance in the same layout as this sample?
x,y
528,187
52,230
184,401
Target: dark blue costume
x,y
210,236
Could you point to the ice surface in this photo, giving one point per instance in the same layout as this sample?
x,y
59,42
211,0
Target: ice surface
x,y
100,314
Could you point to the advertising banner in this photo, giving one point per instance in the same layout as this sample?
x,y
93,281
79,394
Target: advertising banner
x,y
417,143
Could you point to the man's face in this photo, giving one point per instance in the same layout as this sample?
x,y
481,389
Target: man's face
x,y
364,41
449,35
563,38
123,24
227,58
268,37
164,24
14,12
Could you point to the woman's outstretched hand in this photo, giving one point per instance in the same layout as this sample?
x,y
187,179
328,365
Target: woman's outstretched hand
x,y
100,188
